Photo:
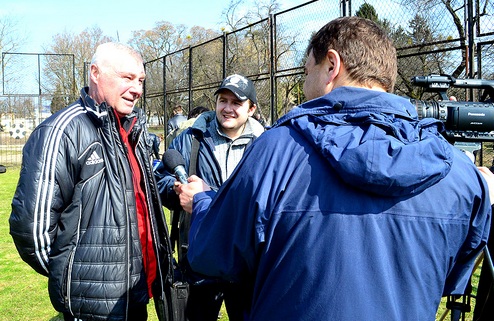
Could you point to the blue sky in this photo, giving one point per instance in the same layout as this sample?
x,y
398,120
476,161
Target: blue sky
x,y
40,20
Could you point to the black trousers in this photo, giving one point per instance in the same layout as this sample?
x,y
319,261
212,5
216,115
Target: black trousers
x,y
204,301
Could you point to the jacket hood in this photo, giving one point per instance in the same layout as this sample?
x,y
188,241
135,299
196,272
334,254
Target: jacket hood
x,y
202,121
374,140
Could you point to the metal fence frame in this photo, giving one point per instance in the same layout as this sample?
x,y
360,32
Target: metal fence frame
x,y
281,70
269,80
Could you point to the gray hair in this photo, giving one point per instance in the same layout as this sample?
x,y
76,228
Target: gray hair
x,y
107,51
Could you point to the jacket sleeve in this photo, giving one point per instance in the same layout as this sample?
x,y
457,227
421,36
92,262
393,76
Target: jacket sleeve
x,y
475,242
165,180
38,199
229,225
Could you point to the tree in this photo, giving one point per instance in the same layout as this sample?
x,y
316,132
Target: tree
x,y
367,11
11,38
163,39
66,63
433,11
59,100
206,64
168,45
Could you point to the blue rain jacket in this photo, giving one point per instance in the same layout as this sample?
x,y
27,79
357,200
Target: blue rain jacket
x,y
349,208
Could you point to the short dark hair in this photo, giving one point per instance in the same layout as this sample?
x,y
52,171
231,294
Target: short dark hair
x,y
194,112
366,51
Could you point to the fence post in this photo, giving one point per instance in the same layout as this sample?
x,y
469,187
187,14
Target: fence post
x,y
346,8
273,67
471,45
190,79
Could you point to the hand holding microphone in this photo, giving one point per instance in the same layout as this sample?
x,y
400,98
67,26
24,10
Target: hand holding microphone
x,y
186,192
175,163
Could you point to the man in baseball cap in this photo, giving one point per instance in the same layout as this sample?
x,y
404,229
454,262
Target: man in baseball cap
x,y
222,136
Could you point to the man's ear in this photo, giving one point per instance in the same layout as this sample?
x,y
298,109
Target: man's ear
x,y
252,109
334,64
94,72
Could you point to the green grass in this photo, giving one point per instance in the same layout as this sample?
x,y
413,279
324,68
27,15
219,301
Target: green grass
x,y
23,292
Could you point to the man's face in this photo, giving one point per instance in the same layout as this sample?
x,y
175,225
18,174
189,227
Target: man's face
x,y
119,83
315,84
232,113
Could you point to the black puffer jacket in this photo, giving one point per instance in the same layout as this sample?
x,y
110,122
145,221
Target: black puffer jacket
x,y
73,214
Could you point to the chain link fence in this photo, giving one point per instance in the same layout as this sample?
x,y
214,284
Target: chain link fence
x,y
28,96
432,36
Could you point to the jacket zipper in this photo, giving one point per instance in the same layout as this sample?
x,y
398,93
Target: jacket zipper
x,y
123,186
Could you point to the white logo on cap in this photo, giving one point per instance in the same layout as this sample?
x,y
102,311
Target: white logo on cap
x,y
237,81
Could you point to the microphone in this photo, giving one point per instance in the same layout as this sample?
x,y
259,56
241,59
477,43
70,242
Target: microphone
x,y
174,163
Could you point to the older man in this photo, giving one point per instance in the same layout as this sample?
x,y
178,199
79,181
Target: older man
x,y
86,212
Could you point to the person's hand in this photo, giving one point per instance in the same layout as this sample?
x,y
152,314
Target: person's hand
x,y
489,177
186,192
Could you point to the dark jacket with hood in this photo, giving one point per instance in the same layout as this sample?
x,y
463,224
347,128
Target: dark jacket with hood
x,y
74,218
348,209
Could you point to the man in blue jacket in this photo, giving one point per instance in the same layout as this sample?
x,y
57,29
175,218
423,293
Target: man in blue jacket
x,y
349,208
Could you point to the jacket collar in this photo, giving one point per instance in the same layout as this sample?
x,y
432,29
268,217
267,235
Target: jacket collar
x,y
100,111
349,100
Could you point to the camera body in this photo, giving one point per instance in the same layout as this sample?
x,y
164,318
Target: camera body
x,y
464,121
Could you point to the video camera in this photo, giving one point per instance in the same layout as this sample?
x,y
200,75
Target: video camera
x,y
464,121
